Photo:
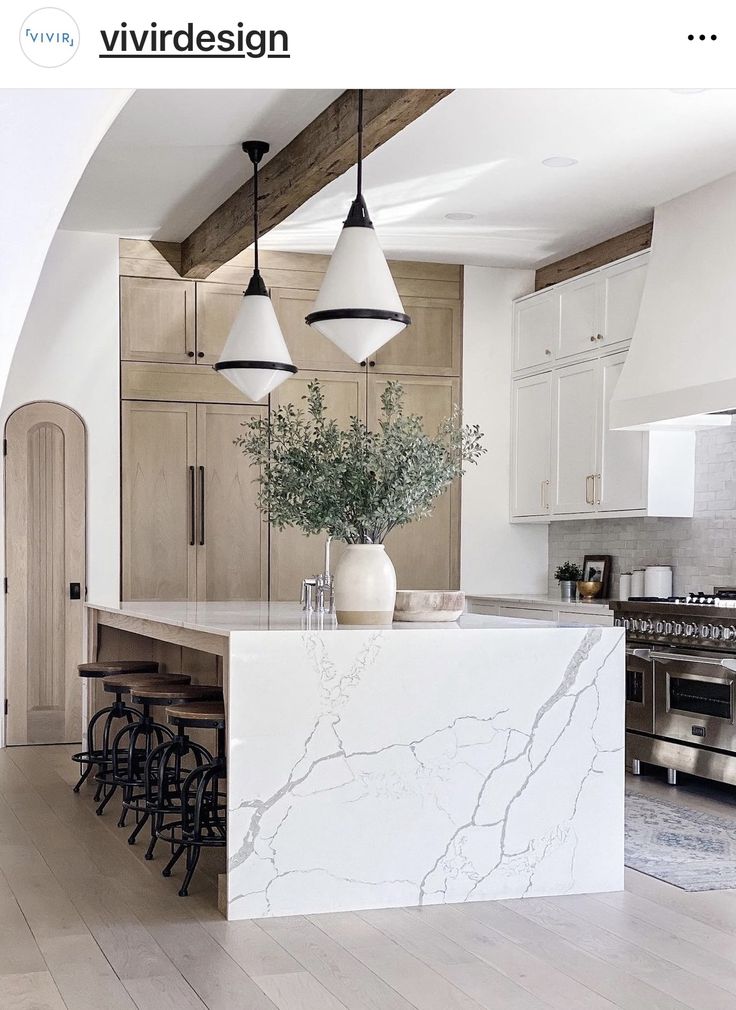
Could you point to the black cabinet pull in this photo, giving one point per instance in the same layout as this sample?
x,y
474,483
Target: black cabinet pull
x,y
201,506
190,354
362,364
192,507
200,354
372,364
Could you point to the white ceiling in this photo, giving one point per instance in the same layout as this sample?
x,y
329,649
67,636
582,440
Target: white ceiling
x,y
173,156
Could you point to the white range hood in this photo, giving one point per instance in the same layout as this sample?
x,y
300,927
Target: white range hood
x,y
682,361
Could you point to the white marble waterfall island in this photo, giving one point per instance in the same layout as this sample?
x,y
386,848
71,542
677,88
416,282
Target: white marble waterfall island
x,y
411,765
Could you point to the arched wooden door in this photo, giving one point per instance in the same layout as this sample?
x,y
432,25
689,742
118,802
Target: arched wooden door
x,y
45,522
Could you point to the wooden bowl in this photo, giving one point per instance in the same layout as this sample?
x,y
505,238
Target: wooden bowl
x,y
428,605
589,590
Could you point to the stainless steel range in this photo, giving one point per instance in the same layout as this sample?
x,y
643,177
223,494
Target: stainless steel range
x,y
681,683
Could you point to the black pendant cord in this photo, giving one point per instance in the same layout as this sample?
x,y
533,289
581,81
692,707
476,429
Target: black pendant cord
x,y
360,142
255,216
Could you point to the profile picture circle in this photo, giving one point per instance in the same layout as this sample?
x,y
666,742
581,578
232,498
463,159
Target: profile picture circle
x,y
49,37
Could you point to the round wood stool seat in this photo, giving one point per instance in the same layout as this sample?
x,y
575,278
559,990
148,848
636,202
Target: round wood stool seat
x,y
155,694
124,683
108,668
205,714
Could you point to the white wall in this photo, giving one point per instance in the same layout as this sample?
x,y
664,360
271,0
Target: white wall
x,y
496,557
48,136
68,351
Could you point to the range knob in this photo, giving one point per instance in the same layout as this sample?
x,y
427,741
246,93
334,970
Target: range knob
x,y
689,630
617,622
627,624
705,630
647,626
668,627
677,628
659,627
634,624
716,631
729,633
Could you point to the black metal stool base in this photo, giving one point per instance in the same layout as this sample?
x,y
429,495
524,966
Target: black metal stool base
x,y
100,756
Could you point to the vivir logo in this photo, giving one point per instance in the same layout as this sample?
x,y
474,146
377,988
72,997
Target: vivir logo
x,y
49,37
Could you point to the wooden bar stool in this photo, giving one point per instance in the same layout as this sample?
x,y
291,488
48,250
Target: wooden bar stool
x,y
166,766
202,823
127,756
100,755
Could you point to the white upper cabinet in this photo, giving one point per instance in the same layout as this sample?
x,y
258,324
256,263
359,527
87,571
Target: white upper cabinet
x,y
622,464
536,325
531,430
579,315
622,287
575,425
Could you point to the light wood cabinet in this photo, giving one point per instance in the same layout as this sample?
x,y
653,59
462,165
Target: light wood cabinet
x,y
431,345
159,457
574,458
536,329
217,306
425,553
190,526
531,430
157,319
232,541
309,349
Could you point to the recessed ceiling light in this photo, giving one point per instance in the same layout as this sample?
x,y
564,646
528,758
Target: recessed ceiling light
x,y
560,162
459,215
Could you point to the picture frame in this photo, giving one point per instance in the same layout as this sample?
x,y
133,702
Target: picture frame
x,y
597,568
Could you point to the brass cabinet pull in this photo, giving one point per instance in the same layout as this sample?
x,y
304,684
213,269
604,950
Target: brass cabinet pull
x,y
589,499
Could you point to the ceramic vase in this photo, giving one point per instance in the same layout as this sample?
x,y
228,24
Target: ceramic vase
x,y
365,586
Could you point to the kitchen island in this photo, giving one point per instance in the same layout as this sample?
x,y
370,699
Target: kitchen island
x,y
410,765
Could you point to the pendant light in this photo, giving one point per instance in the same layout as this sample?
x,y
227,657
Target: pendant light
x,y
255,357
358,307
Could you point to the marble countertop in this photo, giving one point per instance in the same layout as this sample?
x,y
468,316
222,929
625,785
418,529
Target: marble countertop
x,y
224,618
542,600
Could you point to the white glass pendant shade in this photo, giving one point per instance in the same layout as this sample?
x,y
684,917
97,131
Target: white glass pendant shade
x,y
358,307
255,357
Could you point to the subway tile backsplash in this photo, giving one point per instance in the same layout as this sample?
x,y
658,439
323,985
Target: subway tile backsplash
x,y
701,550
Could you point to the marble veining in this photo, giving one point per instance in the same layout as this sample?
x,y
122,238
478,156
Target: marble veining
x,y
372,769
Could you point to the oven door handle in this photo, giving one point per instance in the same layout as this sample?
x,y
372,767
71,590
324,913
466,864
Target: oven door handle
x,y
645,654
679,657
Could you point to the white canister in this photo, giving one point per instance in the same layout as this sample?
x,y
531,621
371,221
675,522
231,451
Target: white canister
x,y
624,586
637,582
658,581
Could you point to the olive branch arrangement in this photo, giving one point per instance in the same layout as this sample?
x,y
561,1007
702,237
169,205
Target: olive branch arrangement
x,y
353,483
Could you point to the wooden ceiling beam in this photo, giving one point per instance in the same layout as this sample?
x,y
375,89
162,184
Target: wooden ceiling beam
x,y
323,151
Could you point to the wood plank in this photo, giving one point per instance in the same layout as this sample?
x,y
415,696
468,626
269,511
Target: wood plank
x,y
32,991
83,975
636,240
298,990
323,151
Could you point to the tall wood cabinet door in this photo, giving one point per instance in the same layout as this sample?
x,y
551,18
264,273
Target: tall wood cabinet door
x,y
623,286
425,553
232,537
579,315
575,422
157,319
217,306
623,461
431,345
159,445
536,329
308,348
295,556
531,436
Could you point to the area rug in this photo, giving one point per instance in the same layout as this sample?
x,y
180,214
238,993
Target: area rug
x,y
692,850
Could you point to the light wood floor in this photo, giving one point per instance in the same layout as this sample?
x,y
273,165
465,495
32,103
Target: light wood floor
x,y
86,924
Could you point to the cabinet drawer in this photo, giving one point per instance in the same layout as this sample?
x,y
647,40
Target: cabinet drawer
x,y
593,620
527,613
480,607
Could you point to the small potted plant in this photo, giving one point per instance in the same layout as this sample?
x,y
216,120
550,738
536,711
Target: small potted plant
x,y
567,575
